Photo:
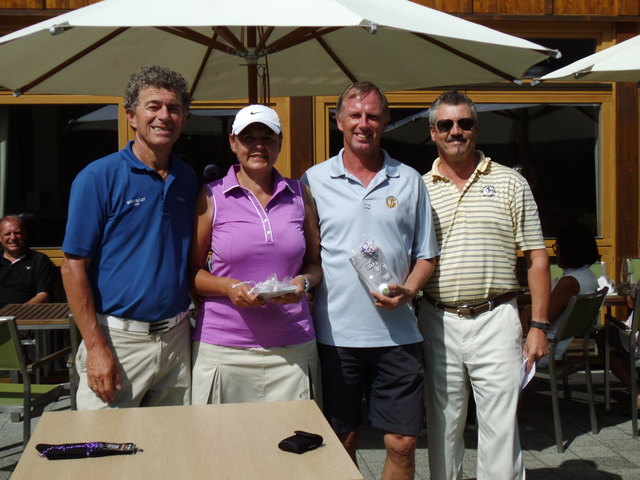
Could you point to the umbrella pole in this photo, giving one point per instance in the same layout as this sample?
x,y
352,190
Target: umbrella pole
x,y
252,66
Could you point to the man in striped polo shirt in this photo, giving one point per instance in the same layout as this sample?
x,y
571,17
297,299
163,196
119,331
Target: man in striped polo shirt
x,y
483,213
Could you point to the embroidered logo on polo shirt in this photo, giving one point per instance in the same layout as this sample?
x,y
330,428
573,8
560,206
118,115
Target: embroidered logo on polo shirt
x,y
136,201
489,191
392,202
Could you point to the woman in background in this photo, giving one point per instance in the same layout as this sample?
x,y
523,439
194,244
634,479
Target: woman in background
x,y
576,250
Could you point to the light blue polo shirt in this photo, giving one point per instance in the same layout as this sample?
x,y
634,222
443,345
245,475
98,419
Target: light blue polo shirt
x,y
394,212
136,228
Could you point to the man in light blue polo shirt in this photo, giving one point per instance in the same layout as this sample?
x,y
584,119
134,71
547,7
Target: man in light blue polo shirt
x,y
369,342
125,256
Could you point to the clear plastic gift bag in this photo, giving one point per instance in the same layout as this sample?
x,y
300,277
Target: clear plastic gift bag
x,y
372,267
272,287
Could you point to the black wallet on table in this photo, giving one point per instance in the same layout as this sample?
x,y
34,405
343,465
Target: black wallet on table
x,y
300,442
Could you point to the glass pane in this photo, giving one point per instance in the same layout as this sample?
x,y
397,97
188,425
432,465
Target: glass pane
x,y
47,145
555,146
572,49
205,141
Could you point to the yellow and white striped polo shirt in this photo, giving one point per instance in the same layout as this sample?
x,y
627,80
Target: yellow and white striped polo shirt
x,y
479,231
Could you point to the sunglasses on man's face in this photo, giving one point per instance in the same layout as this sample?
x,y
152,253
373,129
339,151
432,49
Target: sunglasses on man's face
x,y
445,126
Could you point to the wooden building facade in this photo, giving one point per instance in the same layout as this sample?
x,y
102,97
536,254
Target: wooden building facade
x,y
576,143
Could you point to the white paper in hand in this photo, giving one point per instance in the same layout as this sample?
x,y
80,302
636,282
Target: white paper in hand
x,y
525,377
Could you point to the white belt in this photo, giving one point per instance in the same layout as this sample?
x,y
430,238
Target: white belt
x,y
159,326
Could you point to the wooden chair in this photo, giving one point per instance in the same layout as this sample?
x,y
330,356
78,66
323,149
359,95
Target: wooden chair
x,y
582,314
22,397
634,362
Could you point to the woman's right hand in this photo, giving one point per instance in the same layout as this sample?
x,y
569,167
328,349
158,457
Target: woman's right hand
x,y
240,294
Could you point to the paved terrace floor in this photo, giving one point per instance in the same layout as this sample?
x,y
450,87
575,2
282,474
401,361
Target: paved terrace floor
x,y
611,454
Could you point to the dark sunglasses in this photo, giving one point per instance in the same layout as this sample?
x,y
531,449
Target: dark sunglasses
x,y
445,126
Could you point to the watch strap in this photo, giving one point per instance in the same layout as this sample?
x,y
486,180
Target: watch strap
x,y
544,326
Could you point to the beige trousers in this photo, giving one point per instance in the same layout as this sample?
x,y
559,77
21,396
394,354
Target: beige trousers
x,y
483,354
155,369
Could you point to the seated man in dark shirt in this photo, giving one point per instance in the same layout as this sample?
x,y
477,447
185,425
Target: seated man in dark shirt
x,y
25,275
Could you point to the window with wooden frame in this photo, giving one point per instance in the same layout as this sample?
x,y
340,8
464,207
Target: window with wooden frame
x,y
45,140
560,140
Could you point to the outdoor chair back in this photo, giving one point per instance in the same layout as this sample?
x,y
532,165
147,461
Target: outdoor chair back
x,y
583,312
631,332
20,397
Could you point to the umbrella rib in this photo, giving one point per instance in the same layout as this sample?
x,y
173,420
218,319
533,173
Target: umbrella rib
x,y
228,35
465,56
203,63
196,37
70,60
336,59
264,37
296,37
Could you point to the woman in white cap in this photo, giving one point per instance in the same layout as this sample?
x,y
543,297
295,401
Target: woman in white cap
x,y
255,223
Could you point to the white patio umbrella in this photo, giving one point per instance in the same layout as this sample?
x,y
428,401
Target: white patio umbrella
x,y
306,47
619,63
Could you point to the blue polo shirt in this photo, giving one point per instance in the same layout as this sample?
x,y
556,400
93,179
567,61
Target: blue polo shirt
x,y
136,228
394,212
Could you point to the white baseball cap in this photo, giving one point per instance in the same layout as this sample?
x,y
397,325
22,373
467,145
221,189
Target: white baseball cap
x,y
256,114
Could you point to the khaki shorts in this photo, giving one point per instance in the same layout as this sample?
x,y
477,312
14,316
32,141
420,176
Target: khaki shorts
x,y
233,375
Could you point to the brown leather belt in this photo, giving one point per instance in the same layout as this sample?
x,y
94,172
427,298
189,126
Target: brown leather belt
x,y
473,310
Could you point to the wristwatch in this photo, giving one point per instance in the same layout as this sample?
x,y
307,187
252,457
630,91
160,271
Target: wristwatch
x,y
544,326
307,285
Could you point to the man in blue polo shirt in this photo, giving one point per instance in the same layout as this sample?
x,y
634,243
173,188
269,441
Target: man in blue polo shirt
x,y
368,341
125,256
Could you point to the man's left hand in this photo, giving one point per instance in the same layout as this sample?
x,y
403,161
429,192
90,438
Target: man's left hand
x,y
398,296
535,347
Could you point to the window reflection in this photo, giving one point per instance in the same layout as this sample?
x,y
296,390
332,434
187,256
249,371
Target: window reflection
x,y
47,145
45,149
205,140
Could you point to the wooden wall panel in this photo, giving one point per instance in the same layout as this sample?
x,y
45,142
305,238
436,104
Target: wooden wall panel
x,y
511,7
449,6
27,4
596,7
627,147
68,4
536,7
300,134
629,7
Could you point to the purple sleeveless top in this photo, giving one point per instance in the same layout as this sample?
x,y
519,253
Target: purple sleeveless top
x,y
249,242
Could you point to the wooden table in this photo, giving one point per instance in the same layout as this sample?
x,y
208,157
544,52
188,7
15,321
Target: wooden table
x,y
232,441
43,316
614,301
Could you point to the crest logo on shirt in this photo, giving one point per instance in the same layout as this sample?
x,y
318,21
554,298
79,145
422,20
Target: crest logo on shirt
x,y
391,201
489,191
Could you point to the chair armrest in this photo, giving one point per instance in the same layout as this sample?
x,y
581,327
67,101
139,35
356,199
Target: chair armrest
x,y
49,358
613,321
